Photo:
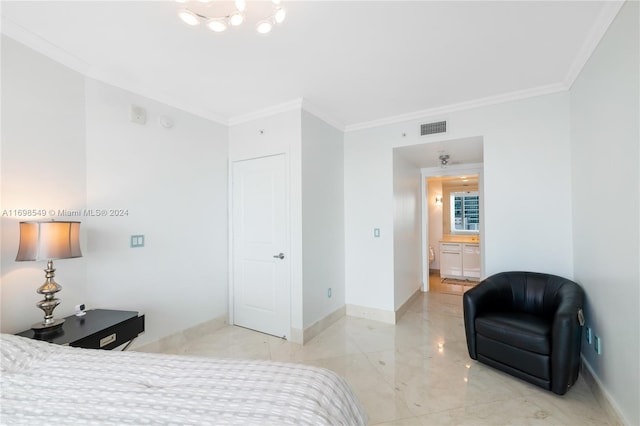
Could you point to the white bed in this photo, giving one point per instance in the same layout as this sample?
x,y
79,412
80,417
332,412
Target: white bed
x,y
42,383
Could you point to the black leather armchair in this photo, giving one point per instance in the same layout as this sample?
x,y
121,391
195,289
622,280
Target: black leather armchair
x,y
527,324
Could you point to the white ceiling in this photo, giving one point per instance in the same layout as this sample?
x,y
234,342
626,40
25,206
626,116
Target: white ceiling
x,y
353,62
462,151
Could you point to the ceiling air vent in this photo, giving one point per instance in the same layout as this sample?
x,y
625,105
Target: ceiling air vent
x,y
433,128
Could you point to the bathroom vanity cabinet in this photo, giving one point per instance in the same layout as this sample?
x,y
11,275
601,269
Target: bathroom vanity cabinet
x,y
471,260
460,260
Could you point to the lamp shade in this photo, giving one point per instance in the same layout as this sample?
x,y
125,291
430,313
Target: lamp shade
x,y
49,240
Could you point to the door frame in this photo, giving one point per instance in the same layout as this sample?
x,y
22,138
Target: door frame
x,y
230,232
453,170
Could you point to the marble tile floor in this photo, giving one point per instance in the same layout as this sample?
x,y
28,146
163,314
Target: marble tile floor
x,y
417,372
447,285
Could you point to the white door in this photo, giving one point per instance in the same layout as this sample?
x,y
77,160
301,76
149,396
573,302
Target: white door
x,y
261,286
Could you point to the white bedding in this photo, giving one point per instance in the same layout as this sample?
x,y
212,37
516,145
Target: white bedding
x,y
42,383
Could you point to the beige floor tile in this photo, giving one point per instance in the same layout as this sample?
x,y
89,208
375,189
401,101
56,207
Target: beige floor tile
x,y
379,399
514,411
417,372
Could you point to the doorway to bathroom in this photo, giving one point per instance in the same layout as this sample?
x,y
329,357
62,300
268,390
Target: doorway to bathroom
x,y
412,165
453,234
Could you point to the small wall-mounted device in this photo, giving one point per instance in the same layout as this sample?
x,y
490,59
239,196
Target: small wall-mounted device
x,y
137,114
80,310
137,241
165,121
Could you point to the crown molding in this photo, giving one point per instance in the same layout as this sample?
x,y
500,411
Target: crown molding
x,y
608,13
156,96
296,104
61,56
447,109
266,112
311,109
41,45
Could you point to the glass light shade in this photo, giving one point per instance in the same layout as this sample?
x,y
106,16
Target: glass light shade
x,y
217,25
236,19
188,17
280,15
241,5
264,27
276,2
49,240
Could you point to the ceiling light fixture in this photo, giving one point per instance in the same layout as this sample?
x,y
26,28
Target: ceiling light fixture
x,y
188,17
444,160
194,12
217,25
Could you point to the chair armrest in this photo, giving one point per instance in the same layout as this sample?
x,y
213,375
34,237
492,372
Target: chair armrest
x,y
566,338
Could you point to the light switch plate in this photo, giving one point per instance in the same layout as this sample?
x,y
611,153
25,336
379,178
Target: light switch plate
x,y
137,241
376,232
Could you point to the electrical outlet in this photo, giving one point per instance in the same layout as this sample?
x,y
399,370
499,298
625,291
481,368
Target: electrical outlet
x,y
329,292
598,345
589,335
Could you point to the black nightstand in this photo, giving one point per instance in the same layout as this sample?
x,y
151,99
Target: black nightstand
x,y
97,329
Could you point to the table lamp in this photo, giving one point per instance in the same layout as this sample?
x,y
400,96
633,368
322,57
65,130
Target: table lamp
x,y
48,240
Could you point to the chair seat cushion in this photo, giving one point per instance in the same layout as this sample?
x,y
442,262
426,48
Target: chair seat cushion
x,y
522,330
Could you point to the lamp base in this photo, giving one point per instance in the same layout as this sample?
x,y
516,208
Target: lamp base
x,y
49,303
41,327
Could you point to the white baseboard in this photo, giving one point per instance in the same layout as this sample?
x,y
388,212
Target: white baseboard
x,y
184,336
602,396
380,315
403,308
388,317
322,324
297,336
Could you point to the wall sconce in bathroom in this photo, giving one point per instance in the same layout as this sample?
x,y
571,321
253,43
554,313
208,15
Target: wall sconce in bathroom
x,y
438,200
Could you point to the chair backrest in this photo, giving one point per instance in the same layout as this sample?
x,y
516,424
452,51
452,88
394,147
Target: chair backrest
x,y
534,292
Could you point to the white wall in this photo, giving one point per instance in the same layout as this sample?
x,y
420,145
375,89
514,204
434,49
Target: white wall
x,y
368,204
67,143
525,141
407,229
173,184
434,188
275,134
43,167
314,152
322,218
605,163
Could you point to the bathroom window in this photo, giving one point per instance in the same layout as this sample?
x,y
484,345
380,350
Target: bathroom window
x,y
465,213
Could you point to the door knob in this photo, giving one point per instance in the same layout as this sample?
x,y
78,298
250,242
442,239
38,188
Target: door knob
x,y
279,256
